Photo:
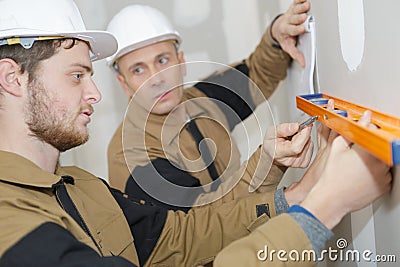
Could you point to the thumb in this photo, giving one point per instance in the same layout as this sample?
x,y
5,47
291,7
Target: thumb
x,y
286,129
298,56
365,118
342,143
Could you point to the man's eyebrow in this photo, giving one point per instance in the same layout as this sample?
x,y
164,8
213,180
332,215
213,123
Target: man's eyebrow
x,y
163,54
85,67
134,65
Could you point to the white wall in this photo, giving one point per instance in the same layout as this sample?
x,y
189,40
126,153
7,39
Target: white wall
x,y
359,60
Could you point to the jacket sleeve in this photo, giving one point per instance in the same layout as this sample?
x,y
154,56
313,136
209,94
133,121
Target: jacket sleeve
x,y
258,174
240,88
281,233
267,67
175,238
195,238
51,245
145,221
152,175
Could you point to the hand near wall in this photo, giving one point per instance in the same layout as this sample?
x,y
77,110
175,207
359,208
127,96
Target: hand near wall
x,y
294,153
288,26
352,179
297,192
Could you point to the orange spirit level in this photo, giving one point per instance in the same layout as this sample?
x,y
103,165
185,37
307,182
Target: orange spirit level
x,y
383,142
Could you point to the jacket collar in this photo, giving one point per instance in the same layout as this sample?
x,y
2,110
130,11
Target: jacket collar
x,y
19,170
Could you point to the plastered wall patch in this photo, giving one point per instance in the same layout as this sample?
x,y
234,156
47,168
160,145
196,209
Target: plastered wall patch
x,y
352,31
191,13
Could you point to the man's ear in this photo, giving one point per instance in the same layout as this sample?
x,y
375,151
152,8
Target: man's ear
x,y
127,90
181,58
10,76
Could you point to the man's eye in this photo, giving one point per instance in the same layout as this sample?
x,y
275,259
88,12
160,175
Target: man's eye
x,y
77,76
138,70
163,60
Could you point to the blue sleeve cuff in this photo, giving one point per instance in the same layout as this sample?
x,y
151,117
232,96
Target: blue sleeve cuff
x,y
300,209
316,231
281,205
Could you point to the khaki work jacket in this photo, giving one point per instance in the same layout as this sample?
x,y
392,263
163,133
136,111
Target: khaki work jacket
x,y
39,229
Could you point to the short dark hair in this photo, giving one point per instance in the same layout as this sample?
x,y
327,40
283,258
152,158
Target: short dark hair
x,y
28,59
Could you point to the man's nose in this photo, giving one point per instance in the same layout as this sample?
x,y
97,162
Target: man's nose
x,y
157,78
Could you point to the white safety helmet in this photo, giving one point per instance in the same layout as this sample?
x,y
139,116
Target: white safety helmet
x,y
25,21
137,26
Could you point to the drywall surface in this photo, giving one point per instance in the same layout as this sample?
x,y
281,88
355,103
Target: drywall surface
x,y
358,59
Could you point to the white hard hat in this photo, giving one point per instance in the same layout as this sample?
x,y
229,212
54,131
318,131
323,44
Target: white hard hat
x,y
137,26
24,21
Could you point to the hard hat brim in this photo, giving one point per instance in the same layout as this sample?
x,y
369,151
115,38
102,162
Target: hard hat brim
x,y
102,44
165,37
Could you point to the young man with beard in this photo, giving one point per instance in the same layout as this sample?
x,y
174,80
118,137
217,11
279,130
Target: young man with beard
x,y
52,215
